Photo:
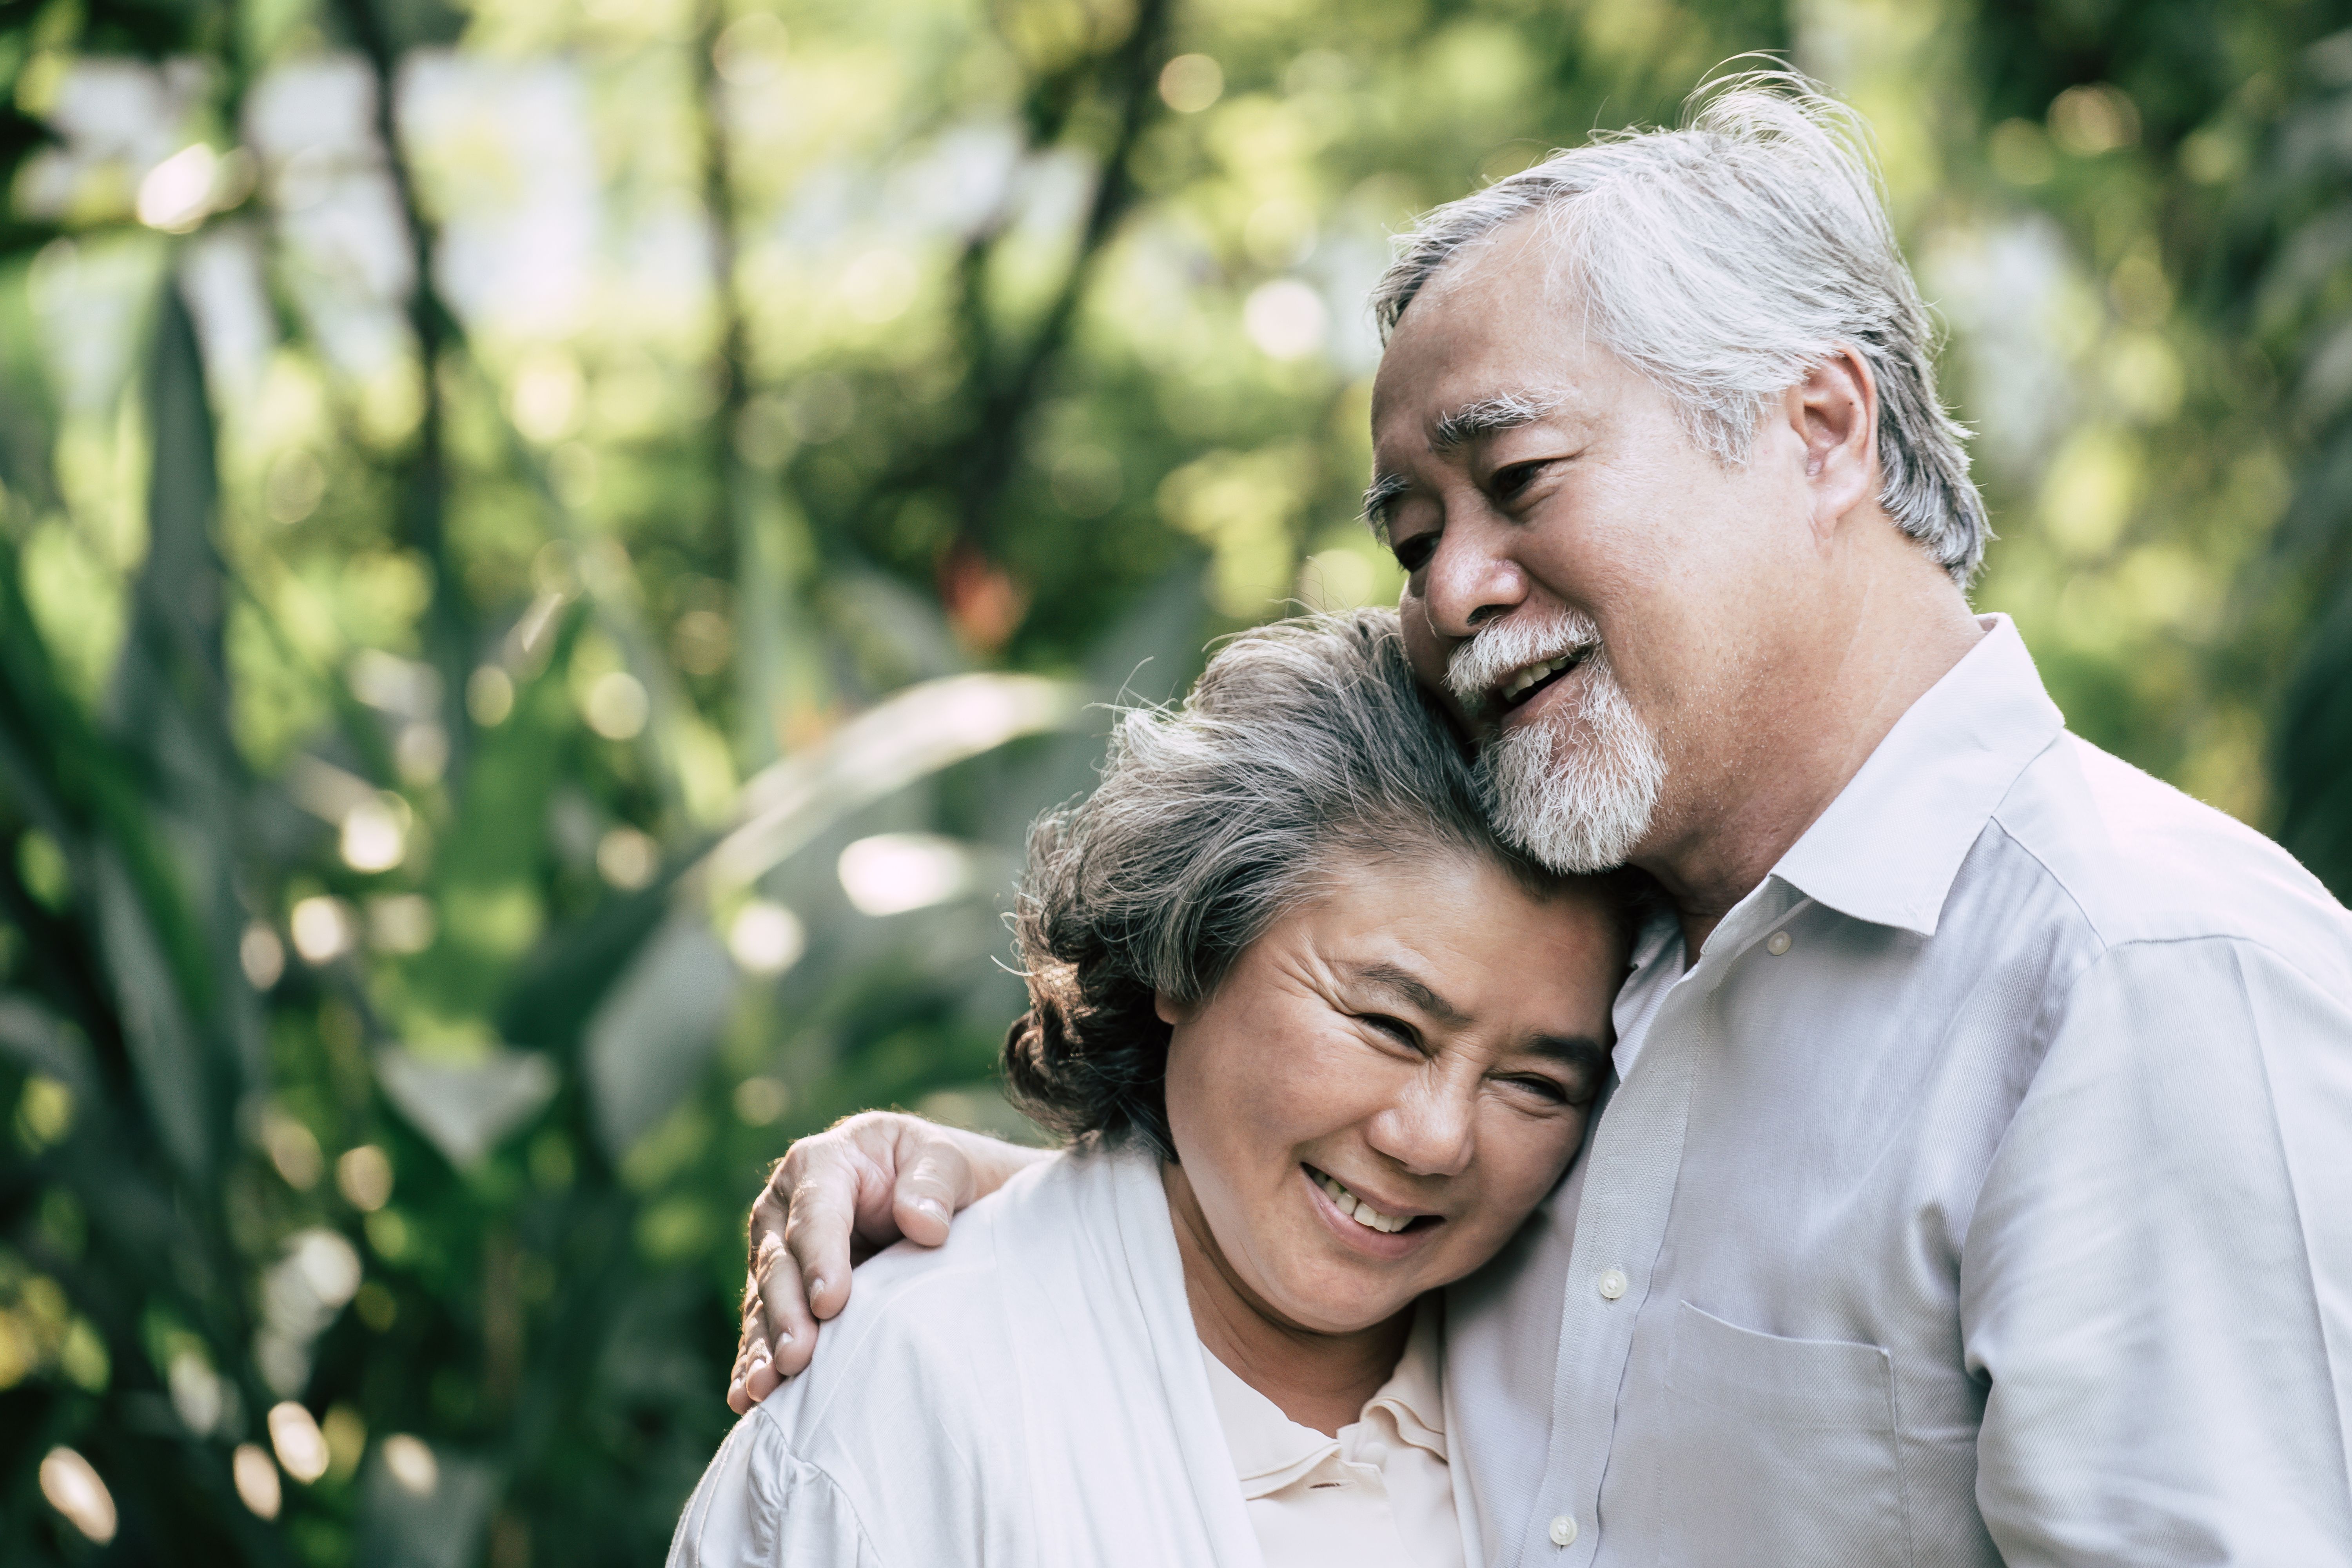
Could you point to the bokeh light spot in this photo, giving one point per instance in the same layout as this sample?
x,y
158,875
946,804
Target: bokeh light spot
x,y
1190,83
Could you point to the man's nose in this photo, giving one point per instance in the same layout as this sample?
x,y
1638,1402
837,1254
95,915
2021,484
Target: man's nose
x,y
1427,1130
1470,581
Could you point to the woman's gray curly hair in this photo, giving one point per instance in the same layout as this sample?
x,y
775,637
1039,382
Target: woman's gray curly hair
x,y
1303,745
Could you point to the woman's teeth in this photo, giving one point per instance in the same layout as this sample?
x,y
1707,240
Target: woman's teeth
x,y
1534,675
1362,1213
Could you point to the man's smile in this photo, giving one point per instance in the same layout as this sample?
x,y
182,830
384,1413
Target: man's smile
x,y
1525,682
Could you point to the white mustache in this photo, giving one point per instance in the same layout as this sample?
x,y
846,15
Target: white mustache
x,y
1512,644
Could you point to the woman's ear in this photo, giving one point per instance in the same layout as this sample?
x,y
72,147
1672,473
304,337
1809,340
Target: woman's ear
x,y
1171,1012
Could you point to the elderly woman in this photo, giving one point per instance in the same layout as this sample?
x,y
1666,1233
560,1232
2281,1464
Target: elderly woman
x,y
1319,1044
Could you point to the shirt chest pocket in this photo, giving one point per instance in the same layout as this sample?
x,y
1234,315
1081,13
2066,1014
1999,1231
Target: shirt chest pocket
x,y
1785,1450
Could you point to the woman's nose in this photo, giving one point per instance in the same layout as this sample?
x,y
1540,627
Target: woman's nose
x,y
1426,1132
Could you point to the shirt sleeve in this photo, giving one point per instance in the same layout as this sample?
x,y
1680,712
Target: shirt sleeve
x,y
759,1505
2156,1282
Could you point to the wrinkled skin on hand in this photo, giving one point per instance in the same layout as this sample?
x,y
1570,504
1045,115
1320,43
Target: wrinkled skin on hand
x,y
834,1200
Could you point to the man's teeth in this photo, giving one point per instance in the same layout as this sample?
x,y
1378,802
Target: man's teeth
x,y
1534,673
1360,1211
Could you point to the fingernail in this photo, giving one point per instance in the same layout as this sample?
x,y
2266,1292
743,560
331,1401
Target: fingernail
x,y
931,1207
817,1286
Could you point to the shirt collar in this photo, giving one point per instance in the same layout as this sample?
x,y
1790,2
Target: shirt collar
x,y
1889,847
1414,1394
1270,1450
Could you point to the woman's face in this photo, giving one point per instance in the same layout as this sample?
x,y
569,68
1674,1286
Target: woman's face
x,y
1428,1039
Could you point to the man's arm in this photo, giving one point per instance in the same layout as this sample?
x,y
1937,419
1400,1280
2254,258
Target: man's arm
x,y
2156,1283
839,1195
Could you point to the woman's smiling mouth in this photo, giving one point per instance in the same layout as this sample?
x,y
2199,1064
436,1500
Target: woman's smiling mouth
x,y
1377,1230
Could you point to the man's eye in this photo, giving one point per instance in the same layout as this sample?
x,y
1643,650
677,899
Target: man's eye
x,y
1508,482
1414,553
1395,1028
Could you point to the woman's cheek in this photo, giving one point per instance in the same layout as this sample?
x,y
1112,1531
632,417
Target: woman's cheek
x,y
1307,1062
1525,1157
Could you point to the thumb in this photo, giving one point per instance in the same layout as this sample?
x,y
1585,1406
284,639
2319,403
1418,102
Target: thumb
x,y
930,1189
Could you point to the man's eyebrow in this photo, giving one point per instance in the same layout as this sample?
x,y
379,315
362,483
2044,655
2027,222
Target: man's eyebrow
x,y
1379,497
1404,983
1491,417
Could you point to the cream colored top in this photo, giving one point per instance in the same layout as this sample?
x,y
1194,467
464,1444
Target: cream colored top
x,y
1378,1495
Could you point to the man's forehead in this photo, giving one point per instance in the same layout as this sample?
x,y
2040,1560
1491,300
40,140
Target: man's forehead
x,y
1449,387
1514,261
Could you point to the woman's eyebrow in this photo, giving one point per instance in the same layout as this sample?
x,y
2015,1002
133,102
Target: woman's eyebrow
x,y
1404,983
1580,1051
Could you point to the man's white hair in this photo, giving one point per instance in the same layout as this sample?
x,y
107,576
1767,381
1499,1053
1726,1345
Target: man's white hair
x,y
1725,261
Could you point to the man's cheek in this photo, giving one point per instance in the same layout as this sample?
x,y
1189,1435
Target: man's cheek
x,y
1427,652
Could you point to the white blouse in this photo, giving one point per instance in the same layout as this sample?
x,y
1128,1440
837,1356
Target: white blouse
x,y
1031,1395
1376,1495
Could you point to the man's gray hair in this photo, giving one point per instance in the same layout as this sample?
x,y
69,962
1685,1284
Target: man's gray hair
x,y
1728,260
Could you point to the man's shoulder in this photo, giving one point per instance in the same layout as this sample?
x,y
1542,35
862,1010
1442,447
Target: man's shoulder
x,y
2135,860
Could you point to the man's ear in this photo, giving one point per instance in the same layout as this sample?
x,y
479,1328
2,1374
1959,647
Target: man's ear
x,y
1834,411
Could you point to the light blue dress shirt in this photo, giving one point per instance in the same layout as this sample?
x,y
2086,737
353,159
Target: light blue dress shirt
x,y
1982,1193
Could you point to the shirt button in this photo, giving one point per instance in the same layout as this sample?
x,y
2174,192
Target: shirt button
x,y
1563,1530
1612,1285
1777,943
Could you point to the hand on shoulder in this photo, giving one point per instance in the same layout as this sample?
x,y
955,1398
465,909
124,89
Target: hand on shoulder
x,y
835,1198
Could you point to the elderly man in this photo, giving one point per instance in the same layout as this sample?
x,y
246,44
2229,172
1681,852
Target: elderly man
x,y
1977,1183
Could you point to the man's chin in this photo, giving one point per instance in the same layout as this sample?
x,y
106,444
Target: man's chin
x,y
1570,798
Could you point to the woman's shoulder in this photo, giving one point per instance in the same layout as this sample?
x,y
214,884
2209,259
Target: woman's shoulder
x,y
933,1321
962,1385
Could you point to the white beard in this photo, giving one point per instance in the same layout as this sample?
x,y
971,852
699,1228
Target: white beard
x,y
1576,789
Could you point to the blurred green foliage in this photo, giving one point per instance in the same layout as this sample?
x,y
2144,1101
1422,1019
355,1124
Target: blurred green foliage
x,y
547,553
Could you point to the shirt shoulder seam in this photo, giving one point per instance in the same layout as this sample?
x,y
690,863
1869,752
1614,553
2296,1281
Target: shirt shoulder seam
x,y
2090,922
783,1438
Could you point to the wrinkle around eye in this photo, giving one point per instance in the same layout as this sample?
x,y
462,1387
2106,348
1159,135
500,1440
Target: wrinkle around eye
x,y
1511,482
1551,1090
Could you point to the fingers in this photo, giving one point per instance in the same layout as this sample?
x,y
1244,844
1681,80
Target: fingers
x,y
935,1181
751,1332
821,1212
783,1310
761,1377
857,1187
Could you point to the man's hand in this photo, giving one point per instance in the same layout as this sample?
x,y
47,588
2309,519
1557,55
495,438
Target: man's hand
x,y
837,1198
